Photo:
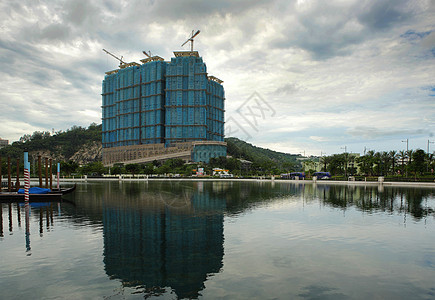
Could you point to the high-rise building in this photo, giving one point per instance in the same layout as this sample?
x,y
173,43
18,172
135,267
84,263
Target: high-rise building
x,y
161,110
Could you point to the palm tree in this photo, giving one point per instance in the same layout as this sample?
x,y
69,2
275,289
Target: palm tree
x,y
385,163
370,160
409,153
403,156
351,163
325,161
393,156
377,160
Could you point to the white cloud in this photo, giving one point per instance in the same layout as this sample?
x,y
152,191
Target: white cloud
x,y
319,138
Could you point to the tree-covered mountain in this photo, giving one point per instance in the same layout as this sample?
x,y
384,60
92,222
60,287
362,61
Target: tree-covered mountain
x,y
79,144
241,149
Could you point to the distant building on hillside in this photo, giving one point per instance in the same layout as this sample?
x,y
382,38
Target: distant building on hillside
x,y
316,164
160,110
3,143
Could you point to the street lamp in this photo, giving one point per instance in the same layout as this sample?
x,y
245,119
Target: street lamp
x,y
428,160
345,162
406,144
407,151
429,142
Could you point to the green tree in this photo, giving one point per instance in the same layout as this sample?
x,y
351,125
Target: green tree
x,y
337,164
132,168
148,169
385,163
93,168
68,167
325,160
403,157
164,169
430,162
117,169
393,158
418,161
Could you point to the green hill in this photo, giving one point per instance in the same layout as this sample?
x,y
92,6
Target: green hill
x,y
241,149
78,144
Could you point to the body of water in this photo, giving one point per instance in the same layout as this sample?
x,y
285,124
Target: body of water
x,y
221,240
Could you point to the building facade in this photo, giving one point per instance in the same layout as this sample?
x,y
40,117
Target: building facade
x,y
158,110
3,143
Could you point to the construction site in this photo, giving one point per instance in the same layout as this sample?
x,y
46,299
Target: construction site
x,y
159,110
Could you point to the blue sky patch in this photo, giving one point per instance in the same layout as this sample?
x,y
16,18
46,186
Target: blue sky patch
x,y
413,35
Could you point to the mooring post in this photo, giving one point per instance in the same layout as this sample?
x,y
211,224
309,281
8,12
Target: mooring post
x,y
9,175
17,184
46,173
58,175
26,178
51,174
40,171
26,198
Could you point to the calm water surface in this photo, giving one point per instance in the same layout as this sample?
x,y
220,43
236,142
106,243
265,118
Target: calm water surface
x,y
222,240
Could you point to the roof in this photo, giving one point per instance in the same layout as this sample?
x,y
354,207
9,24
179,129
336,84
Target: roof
x,y
212,78
153,58
186,53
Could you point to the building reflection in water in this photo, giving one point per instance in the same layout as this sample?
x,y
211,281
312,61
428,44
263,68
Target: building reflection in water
x,y
168,238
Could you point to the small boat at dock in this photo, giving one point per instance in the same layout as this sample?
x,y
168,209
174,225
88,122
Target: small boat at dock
x,y
37,195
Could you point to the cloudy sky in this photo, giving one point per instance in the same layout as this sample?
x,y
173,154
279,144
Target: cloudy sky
x,y
299,76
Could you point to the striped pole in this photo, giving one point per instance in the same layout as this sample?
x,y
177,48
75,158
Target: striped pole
x,y
26,178
26,199
58,175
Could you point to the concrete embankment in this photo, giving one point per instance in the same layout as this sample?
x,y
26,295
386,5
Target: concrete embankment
x,y
260,179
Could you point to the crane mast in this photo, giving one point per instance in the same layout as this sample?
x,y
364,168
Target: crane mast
x,y
191,40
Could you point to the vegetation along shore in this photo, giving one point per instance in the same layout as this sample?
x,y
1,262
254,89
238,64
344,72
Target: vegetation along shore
x,y
79,149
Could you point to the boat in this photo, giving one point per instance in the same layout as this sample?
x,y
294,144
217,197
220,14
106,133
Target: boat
x,y
38,195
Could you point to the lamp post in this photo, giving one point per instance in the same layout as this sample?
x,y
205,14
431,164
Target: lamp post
x,y
429,142
345,160
428,161
406,141
407,151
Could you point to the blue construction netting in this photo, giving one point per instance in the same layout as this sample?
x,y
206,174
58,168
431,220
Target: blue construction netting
x,y
109,123
215,117
186,106
153,102
127,106
161,102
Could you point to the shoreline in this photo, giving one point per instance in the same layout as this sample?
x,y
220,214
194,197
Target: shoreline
x,y
317,182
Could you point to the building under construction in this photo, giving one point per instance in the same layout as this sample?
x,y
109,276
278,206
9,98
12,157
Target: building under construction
x,y
159,110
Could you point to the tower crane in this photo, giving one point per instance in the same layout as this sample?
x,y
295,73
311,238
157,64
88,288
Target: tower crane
x,y
191,40
121,62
